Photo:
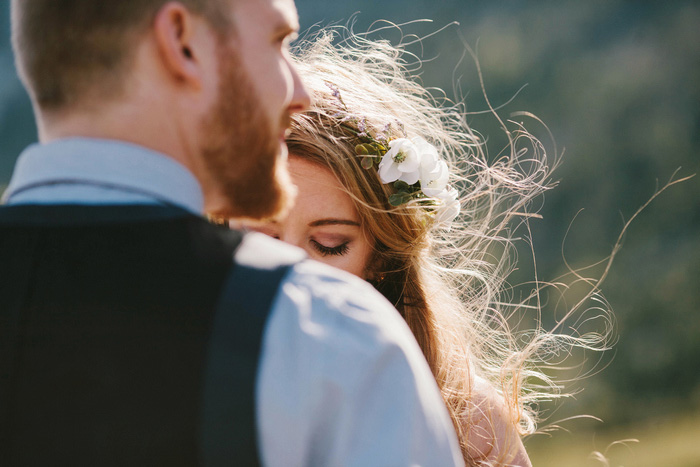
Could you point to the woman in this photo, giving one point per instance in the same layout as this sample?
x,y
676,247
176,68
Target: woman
x,y
394,187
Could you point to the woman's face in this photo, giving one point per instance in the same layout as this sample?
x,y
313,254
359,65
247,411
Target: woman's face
x,y
323,220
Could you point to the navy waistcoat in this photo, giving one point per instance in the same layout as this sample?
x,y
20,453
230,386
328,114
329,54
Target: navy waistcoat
x,y
128,336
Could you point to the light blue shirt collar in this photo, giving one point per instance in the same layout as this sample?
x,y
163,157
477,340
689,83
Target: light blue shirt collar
x,y
94,171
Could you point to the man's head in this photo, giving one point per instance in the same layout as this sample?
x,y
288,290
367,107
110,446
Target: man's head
x,y
208,82
69,49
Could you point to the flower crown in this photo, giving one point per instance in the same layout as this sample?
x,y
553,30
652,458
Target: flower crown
x,y
413,165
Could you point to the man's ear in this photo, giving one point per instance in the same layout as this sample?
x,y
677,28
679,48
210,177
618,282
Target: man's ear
x,y
174,29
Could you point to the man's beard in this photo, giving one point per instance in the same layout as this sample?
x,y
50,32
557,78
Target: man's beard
x,y
241,151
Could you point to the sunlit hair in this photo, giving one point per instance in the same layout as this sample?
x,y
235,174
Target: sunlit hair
x,y
449,285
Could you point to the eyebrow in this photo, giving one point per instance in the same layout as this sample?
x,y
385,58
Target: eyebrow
x,y
320,222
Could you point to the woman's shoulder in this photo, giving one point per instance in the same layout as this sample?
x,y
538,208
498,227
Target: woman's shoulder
x,y
492,434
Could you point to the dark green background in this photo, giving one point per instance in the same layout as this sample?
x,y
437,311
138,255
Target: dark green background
x,y
618,84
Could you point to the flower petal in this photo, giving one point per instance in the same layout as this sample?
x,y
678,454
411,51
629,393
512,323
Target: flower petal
x,y
410,177
449,210
388,170
411,164
398,142
436,181
428,154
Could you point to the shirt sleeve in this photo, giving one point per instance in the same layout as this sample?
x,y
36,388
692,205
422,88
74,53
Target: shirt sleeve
x,y
342,381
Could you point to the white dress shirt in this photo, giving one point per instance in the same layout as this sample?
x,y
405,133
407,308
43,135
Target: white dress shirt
x,y
341,382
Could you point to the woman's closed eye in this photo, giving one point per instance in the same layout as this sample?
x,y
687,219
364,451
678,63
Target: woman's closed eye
x,y
325,250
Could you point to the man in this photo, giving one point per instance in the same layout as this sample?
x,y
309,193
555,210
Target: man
x,y
130,333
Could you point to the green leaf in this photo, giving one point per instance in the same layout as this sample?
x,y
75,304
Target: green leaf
x,y
401,185
361,150
367,162
397,199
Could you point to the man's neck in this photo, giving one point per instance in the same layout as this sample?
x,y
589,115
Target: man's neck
x,y
170,135
120,123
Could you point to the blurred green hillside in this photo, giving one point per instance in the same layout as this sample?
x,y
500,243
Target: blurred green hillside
x,y
618,84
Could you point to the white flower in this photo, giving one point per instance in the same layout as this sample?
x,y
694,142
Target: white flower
x,y
449,209
401,162
428,154
411,160
434,182
433,170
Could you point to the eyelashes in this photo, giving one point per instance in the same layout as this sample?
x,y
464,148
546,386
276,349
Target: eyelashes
x,y
330,251
320,248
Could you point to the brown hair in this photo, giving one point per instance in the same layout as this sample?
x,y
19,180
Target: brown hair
x,y
400,238
64,48
449,285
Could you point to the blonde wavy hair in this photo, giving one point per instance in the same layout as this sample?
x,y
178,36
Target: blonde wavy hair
x,y
449,285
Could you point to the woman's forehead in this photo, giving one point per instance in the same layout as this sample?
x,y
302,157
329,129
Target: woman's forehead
x,y
319,191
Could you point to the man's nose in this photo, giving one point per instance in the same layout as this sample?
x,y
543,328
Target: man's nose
x,y
300,96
